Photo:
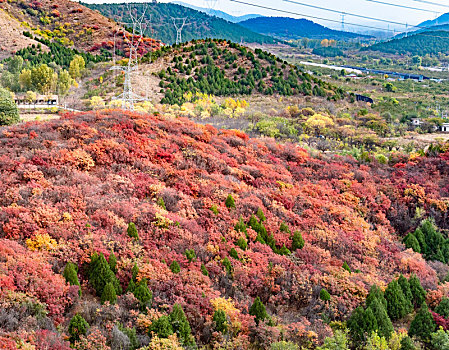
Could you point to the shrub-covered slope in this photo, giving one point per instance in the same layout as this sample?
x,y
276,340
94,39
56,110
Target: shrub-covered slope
x,y
219,221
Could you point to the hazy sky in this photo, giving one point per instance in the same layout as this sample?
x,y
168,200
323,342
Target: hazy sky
x,y
371,8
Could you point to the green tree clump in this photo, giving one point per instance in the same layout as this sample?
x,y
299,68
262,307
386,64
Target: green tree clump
x,y
407,344
112,262
161,203
284,227
440,339
109,294
418,292
297,241
443,308
190,255
230,203
71,275
261,215
161,327
220,321
228,266
143,294
405,286
132,231
100,274
233,253
397,306
181,326
77,327
9,114
324,295
422,325
346,267
204,270
174,267
375,293
258,310
242,243
384,325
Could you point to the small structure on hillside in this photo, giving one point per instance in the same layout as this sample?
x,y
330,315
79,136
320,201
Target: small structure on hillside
x,y
364,98
41,101
416,122
445,127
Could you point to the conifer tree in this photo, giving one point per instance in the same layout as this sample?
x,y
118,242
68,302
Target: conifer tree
x,y
260,215
397,306
346,267
297,241
161,327
100,274
71,275
443,308
410,241
77,327
242,243
109,294
220,320
407,344
204,270
181,326
384,325
230,203
369,321
132,231
233,253
356,324
228,266
418,292
324,295
143,294
258,310
375,293
284,227
113,262
174,267
423,324
405,286
421,240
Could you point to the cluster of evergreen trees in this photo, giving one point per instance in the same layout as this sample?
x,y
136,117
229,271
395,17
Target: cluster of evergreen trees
x,y
428,241
400,298
208,69
58,54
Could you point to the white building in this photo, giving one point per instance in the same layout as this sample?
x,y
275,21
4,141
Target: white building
x,y
445,127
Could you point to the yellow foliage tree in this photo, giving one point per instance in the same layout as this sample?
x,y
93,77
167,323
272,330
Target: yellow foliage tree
x,y
41,242
318,124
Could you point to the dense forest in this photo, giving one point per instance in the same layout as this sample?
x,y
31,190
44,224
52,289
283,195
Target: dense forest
x,y
291,28
428,43
199,24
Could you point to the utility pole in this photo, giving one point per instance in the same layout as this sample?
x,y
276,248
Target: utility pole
x,y
343,22
179,24
139,26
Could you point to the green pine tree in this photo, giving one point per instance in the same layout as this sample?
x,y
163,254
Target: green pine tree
x,y
405,286
174,267
421,240
397,306
407,344
418,292
161,327
258,310
77,327
260,215
369,322
242,243
190,255
346,267
410,241
324,295
143,294
375,293
233,253
284,228
181,326
100,274
108,294
297,241
113,262
443,308
132,231
71,275
230,203
204,270
228,266
423,324
356,323
384,325
161,203
221,322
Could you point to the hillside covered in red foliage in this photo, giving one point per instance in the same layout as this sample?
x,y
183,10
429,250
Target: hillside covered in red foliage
x,y
216,215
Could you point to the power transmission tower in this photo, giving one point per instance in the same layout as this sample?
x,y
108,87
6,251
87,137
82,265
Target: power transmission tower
x,y
139,25
179,24
343,22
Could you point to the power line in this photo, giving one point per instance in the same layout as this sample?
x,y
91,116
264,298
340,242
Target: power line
x,y
431,3
402,6
308,16
351,14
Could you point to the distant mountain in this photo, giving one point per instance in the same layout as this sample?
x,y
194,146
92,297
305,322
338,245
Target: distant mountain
x,y
442,27
199,25
432,43
289,28
218,13
443,19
